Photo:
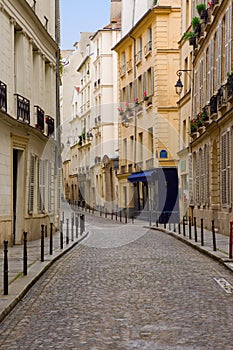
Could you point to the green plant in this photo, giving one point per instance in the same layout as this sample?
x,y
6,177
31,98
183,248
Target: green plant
x,y
84,134
200,7
80,140
230,78
193,125
195,22
189,35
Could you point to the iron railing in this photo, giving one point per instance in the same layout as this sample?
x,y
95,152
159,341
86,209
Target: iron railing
x,y
39,118
3,96
22,108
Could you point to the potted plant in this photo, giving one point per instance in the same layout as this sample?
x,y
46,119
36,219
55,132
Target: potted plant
x,y
229,84
191,36
128,109
120,110
80,140
84,134
202,11
145,97
136,101
193,126
196,25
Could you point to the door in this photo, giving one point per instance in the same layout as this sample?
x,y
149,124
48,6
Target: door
x,y
18,192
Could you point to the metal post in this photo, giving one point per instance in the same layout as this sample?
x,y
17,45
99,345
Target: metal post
x,y
111,215
190,228
179,228
214,236
105,213
46,231
184,226
61,235
51,239
164,220
174,230
76,223
72,227
116,215
125,217
202,233
67,231
231,240
42,244
120,215
132,219
25,257
195,228
5,268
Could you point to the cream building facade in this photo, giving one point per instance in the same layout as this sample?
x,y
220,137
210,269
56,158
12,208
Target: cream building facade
x,y
148,58
29,174
211,117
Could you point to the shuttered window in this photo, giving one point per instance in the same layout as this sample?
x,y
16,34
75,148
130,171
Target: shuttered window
x,y
201,86
190,170
41,186
32,179
226,156
50,187
219,58
207,175
197,179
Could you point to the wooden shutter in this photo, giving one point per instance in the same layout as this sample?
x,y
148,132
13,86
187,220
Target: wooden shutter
x,y
201,85
190,179
223,170
41,187
31,184
197,178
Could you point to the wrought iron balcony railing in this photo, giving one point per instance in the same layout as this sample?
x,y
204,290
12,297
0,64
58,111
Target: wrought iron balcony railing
x,y
221,97
39,118
50,122
3,97
213,105
22,108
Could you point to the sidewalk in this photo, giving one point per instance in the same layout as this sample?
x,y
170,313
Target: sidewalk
x,y
222,241
18,285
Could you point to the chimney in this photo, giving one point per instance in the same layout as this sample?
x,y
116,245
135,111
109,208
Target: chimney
x,y
115,10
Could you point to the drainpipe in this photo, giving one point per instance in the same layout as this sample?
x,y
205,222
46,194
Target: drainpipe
x,y
135,111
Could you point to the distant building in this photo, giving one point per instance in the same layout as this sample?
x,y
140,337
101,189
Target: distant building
x,y
29,175
148,58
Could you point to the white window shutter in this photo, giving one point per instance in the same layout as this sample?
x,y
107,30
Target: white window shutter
x,y
31,184
190,172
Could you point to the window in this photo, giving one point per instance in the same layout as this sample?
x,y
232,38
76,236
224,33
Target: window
x,y
41,186
139,88
140,141
139,50
226,169
150,142
32,180
163,153
123,65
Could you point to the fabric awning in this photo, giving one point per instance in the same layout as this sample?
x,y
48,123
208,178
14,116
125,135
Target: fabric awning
x,y
142,176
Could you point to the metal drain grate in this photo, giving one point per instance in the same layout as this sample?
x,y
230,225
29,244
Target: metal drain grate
x,y
224,284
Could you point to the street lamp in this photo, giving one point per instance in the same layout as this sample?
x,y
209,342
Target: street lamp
x,y
179,85
68,140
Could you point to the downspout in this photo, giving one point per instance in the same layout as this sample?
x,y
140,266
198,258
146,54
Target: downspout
x,y
135,111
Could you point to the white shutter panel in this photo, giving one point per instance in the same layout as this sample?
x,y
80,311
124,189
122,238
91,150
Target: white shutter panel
x,y
190,170
195,94
201,86
211,67
41,192
228,166
204,79
223,169
197,179
209,74
31,184
207,175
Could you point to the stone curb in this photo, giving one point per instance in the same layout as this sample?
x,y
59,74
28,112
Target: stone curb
x,y
34,278
207,251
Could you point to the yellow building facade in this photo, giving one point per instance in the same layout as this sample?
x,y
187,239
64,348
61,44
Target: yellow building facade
x,y
148,58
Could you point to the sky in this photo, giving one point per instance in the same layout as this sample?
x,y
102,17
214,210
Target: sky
x,y
82,16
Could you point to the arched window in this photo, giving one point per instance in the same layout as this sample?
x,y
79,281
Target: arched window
x,y
163,153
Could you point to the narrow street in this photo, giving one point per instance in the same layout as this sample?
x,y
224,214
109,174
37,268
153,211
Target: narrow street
x,y
125,287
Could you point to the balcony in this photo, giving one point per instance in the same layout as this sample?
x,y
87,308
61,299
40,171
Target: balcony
x,y
215,7
123,169
148,48
3,97
22,108
139,57
222,97
130,168
213,107
123,70
39,113
229,87
129,65
50,122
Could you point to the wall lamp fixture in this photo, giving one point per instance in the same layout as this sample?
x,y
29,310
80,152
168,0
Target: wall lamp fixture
x,y
179,85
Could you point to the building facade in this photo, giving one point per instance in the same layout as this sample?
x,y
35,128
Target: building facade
x,y
29,175
211,115
148,58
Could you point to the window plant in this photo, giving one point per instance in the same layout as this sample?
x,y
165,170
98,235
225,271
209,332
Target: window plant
x,y
145,97
191,36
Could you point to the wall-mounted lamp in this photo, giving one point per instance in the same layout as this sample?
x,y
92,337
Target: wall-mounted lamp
x,y
179,85
68,140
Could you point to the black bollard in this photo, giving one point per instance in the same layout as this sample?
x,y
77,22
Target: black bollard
x,y
184,226
105,213
51,239
202,233
61,235
214,237
63,217
112,215
125,217
164,220
82,224
67,231
76,223
45,231
190,228
195,228
174,228
179,228
42,244
72,227
25,256
116,215
120,216
132,219
5,268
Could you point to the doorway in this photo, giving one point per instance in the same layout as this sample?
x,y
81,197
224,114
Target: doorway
x,y
18,192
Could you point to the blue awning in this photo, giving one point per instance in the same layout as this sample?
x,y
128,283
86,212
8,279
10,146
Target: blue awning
x,y
143,176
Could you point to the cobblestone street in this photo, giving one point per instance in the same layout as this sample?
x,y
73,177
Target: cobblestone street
x,y
125,287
